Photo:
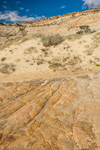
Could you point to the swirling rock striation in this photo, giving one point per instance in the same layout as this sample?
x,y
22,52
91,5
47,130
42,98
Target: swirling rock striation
x,y
55,114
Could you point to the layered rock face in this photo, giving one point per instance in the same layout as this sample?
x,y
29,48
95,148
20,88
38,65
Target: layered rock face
x,y
55,114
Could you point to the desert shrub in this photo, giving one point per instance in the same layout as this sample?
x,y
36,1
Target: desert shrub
x,y
98,65
3,58
55,65
52,40
39,62
44,50
7,68
79,32
84,29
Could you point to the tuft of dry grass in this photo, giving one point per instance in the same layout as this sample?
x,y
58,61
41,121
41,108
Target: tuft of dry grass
x,y
6,45
74,60
24,39
73,37
30,50
40,62
96,41
89,51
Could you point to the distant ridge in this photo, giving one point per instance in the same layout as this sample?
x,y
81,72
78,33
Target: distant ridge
x,y
72,14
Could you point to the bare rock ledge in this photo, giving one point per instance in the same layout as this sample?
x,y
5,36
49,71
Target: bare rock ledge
x,y
55,114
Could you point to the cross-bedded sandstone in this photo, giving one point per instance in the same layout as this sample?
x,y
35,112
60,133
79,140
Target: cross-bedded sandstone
x,y
56,114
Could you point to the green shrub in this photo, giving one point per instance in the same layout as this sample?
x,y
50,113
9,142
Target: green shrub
x,y
3,59
85,28
79,32
55,65
44,50
52,40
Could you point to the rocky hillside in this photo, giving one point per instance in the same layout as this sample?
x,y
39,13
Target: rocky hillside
x,y
62,24
55,114
9,32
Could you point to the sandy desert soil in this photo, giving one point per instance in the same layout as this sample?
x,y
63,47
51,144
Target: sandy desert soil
x,y
30,59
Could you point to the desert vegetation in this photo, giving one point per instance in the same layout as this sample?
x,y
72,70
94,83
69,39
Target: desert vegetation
x,y
7,68
6,45
73,37
84,29
39,62
30,50
52,40
56,66
3,58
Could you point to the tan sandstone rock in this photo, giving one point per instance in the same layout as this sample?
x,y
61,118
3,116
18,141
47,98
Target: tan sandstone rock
x,y
57,114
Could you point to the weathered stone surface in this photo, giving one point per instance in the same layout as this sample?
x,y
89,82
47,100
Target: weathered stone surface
x,y
57,114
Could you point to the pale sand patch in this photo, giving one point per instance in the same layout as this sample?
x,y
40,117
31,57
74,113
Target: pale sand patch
x,y
27,76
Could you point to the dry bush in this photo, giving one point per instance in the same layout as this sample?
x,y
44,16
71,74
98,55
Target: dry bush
x,y
6,45
24,39
7,68
52,40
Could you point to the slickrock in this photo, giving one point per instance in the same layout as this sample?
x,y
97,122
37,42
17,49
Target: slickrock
x,y
54,114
